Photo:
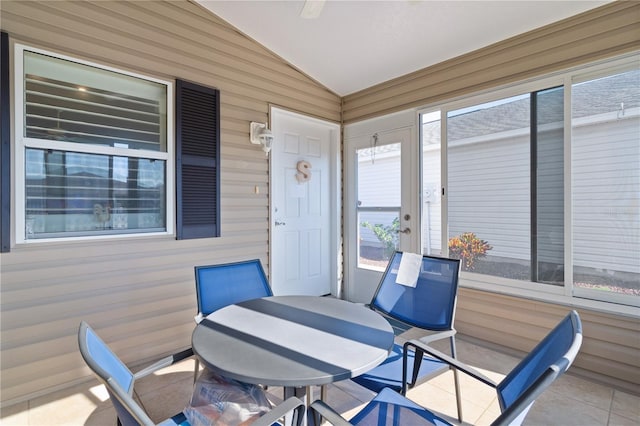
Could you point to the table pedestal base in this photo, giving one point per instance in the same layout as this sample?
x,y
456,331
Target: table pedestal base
x,y
305,394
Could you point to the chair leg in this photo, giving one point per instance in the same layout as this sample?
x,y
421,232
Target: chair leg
x,y
196,370
417,362
456,382
458,398
311,398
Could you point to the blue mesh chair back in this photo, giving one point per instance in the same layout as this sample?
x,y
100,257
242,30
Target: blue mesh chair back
x,y
547,361
430,304
391,408
516,392
221,285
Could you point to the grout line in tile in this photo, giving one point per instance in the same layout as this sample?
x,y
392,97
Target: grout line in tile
x,y
613,395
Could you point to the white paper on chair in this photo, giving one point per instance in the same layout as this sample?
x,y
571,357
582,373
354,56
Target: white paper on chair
x,y
409,269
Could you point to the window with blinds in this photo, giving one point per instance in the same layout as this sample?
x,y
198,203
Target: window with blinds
x,y
95,150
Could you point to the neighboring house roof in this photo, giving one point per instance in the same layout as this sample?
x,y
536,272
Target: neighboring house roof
x,y
617,93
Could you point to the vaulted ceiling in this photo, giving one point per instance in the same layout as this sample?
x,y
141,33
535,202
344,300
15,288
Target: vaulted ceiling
x,y
352,45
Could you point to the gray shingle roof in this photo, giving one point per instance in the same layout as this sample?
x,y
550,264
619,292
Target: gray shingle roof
x,y
604,95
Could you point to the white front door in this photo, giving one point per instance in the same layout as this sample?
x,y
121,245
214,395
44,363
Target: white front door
x,y
305,205
382,205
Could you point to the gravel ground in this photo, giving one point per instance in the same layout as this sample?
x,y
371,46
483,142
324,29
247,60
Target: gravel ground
x,y
623,283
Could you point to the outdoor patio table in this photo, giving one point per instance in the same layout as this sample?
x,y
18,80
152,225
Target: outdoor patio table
x,y
292,341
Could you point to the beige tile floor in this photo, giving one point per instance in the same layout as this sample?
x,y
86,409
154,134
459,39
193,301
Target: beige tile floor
x,y
570,401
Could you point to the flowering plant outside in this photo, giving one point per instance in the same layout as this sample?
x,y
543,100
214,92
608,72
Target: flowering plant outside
x,y
468,248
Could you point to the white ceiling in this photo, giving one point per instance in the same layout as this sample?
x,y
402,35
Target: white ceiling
x,y
353,45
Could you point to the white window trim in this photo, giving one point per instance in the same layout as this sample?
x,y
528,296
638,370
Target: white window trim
x,y
533,292
22,143
566,294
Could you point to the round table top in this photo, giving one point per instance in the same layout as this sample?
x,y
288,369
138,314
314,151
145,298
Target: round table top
x,y
293,340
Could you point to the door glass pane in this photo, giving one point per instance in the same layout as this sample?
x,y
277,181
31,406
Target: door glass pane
x,y
431,200
378,209
605,158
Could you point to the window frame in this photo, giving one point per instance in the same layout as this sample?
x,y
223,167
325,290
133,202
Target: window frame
x,y
566,293
22,143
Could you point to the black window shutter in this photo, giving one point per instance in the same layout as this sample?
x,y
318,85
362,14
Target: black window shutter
x,y
5,146
197,161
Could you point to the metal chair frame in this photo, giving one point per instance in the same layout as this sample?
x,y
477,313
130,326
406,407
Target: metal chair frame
x,y
438,281
516,392
119,381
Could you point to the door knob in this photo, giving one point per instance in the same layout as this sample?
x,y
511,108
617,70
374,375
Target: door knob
x,y
405,231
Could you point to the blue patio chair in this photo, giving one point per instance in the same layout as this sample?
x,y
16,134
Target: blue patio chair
x,y
429,306
119,381
516,392
225,284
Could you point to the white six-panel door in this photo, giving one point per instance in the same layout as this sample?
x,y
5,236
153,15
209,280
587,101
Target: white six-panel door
x,y
305,207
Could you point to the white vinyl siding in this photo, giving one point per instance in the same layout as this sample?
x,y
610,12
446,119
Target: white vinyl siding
x,y
488,192
379,180
606,233
550,195
431,201
378,187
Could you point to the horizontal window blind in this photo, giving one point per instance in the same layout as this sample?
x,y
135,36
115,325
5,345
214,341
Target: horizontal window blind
x,y
98,115
77,193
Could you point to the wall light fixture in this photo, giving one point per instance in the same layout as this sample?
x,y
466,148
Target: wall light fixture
x,y
261,135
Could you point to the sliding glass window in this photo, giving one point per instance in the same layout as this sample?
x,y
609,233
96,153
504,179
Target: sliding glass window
x,y
605,146
505,187
541,187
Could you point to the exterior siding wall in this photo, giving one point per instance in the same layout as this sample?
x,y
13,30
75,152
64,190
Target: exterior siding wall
x,y
378,184
550,181
139,293
489,185
431,202
611,244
